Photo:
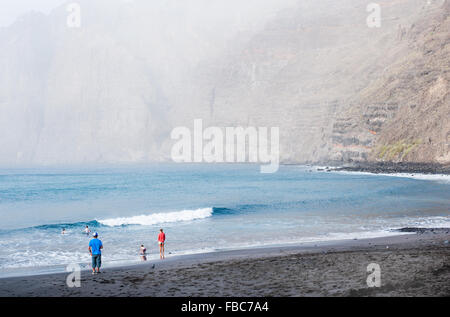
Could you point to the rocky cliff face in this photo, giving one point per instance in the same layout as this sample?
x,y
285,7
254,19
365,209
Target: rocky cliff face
x,y
407,108
339,90
111,90
420,84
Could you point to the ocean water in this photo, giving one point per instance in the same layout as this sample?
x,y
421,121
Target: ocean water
x,y
202,208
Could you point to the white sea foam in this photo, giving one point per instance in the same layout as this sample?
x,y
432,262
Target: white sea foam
x,y
441,178
430,222
157,218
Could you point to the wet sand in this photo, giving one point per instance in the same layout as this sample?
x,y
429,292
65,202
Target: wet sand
x,y
411,265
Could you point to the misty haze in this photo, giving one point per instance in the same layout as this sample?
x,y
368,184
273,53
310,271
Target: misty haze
x,y
111,90
191,148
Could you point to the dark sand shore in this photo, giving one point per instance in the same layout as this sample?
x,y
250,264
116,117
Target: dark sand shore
x,y
411,265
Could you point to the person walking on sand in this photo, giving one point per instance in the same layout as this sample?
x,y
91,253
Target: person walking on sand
x,y
95,250
161,241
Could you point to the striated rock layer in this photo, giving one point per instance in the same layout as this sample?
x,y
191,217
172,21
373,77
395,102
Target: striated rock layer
x,y
339,90
344,92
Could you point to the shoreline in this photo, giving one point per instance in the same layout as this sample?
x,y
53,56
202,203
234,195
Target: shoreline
x,y
307,243
370,167
252,272
392,168
44,258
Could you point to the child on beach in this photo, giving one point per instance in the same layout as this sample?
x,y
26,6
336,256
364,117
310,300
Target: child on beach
x,y
143,253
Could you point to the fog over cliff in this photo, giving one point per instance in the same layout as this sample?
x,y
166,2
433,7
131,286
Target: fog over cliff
x,y
112,90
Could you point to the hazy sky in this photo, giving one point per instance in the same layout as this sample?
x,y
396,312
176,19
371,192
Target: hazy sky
x,y
10,10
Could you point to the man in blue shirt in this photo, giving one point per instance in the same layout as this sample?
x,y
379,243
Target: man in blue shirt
x,y
95,249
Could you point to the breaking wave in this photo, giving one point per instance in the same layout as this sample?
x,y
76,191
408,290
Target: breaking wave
x,y
157,218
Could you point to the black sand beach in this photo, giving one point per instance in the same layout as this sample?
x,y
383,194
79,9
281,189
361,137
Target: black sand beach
x,y
411,265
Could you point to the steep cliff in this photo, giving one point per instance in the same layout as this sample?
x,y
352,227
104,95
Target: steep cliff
x,y
407,108
341,91
111,90
420,84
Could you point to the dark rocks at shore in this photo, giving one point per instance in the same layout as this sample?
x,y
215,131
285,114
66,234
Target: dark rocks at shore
x,y
401,167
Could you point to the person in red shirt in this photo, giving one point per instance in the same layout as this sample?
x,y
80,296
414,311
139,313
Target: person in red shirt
x,y
161,240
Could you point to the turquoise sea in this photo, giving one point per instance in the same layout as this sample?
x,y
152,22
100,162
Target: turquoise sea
x,y
202,208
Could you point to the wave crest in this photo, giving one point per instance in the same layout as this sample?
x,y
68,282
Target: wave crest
x,y
157,218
